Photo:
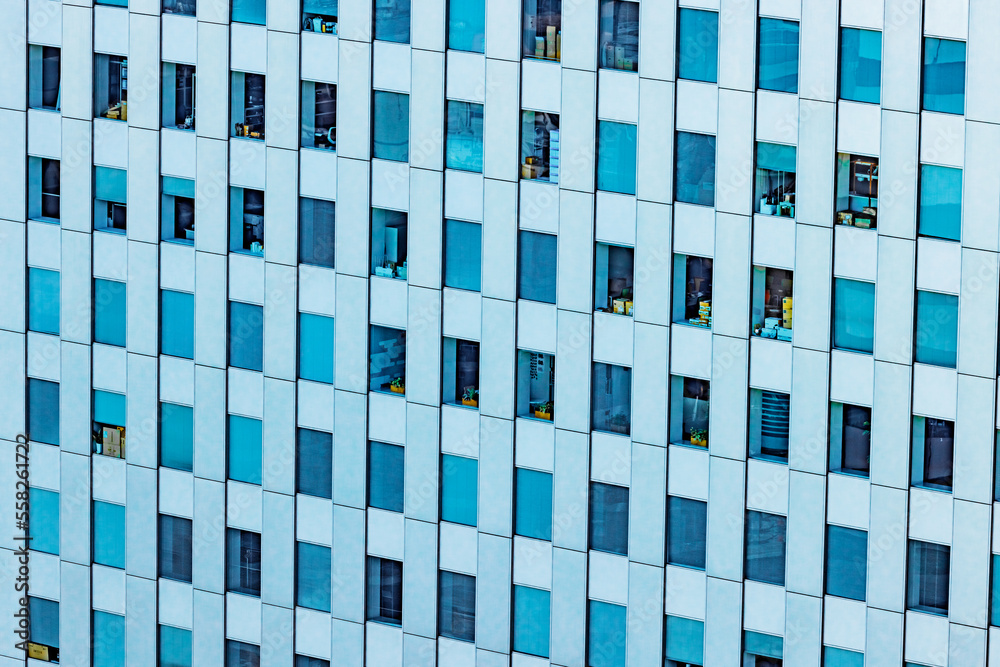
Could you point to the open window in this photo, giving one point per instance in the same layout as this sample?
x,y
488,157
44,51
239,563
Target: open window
x,y
43,638
613,270
43,189
182,7
246,220
177,209
772,303
774,186
110,199
110,86
769,419
611,398
109,424
619,35
689,405
857,190
542,29
319,16
389,243
387,360
43,77
247,105
765,650
933,453
536,379
692,298
850,439
540,146
460,371
319,115
178,96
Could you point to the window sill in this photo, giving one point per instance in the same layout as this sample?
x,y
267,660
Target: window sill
x,y
178,128
687,567
609,312
689,445
770,459
243,593
110,230
625,434
52,110
620,69
774,215
532,417
459,404
42,219
947,490
686,323
179,241
253,139
849,350
248,253
390,277
388,392
321,149
928,610
850,473
774,338
385,621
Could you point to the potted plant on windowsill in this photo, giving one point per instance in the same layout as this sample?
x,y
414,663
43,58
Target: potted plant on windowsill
x,y
699,437
397,385
544,410
470,397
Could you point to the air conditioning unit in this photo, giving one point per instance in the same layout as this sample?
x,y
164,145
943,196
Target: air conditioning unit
x,y
113,441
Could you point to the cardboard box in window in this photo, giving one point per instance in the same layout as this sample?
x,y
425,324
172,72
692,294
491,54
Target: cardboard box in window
x,y
38,651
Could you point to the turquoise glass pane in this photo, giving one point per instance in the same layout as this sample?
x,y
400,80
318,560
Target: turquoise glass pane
x,y
109,312
109,640
463,255
43,411
467,25
111,184
246,336
531,621
861,65
43,520
385,476
944,75
312,576
250,11
937,329
316,348
838,657
695,174
44,621
698,45
778,55
43,301
464,141
314,463
685,640
245,449
776,157
109,534
177,324
763,645
995,592
533,505
940,202
846,562
853,315
178,187
607,635
459,489
392,20
176,436
391,126
175,647
616,151
109,408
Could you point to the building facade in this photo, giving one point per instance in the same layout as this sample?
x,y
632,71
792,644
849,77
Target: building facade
x,y
635,399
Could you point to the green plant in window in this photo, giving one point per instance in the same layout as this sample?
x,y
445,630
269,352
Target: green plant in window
x,y
699,437
397,385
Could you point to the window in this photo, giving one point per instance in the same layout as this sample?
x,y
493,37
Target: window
x,y
778,55
43,301
109,640
110,86
108,427
113,3
698,45
531,621
685,642
109,534
389,243
536,266
177,209
44,628
861,65
944,75
857,190
457,597
772,303
927,577
43,520
838,657
846,562
109,312
392,20
606,635
385,476
609,518
312,576
850,439
385,590
174,647
245,449
853,315
43,189
611,399
542,29
937,329
619,35
769,417
241,654
695,167
762,650
459,489
246,336
995,590
533,504
242,562
319,115
43,77
467,25
692,297
43,411
314,463
183,7
613,272
249,11
319,16
175,548
316,348
308,661
390,126
933,453
774,186
464,142
616,151
248,90
463,255
178,96
687,522
540,146
689,408
246,221
110,199
387,360
940,212
317,219
177,324
765,556
536,377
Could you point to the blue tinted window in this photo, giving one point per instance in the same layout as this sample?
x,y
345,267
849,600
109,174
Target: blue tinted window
x,y
531,621
860,65
944,75
775,179
43,301
109,640
109,408
606,635
765,555
175,551
533,505
316,348
391,126
176,436
457,612
43,411
464,143
933,454
995,592
250,11
611,398
537,267
177,324
385,476
245,449
392,20
609,518
459,489
312,576
940,202
44,621
698,45
463,254
317,219
616,150
778,56
309,661
467,25
685,640
695,175
109,534
243,562
846,562
937,329
246,336
763,645
686,530
838,657
314,463
853,315
109,312
241,654
384,589
43,520
175,647
927,577
618,35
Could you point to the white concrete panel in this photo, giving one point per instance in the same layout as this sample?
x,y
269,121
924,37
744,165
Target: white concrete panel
x,y
575,252
541,85
983,58
777,118
894,300
848,501
764,608
466,76
317,290
608,578
179,39
942,139
774,241
844,623
859,128
427,108
539,206
577,126
932,255
243,618
947,18
388,302
685,592
691,352
536,326
319,57
176,490
44,25
615,218
891,426
313,633
852,378
935,391
862,14
212,85
618,96
855,253
387,417
390,185
655,154
653,263
897,213
111,30
385,534
532,563
767,487
391,66
697,107
175,600
463,195
770,364
44,133
926,639
462,314
930,516
694,230
902,39
318,174
737,46
975,439
458,548
613,339
178,153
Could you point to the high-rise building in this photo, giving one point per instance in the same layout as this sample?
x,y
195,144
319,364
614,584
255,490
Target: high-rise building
x,y
441,333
